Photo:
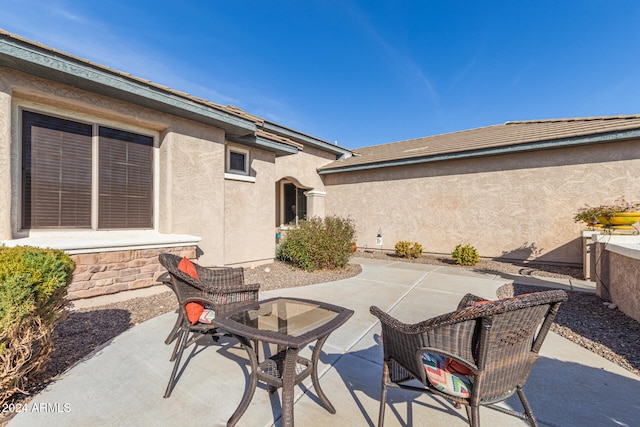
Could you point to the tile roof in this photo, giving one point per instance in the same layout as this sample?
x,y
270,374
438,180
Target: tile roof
x,y
509,134
290,137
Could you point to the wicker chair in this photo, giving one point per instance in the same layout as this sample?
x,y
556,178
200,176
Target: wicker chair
x,y
497,341
223,289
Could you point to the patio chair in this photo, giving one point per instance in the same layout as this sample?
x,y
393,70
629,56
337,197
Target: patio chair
x,y
215,291
476,356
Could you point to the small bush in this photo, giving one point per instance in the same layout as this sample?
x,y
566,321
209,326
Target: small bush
x,y
465,255
33,285
318,243
408,250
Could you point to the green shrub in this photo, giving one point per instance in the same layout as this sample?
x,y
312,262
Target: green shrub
x,y
465,255
318,243
33,286
408,250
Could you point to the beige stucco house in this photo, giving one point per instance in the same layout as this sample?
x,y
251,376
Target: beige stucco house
x,y
510,190
115,169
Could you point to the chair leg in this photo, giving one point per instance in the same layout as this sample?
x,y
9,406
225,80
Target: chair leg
x,y
527,408
473,412
178,341
181,345
173,334
383,394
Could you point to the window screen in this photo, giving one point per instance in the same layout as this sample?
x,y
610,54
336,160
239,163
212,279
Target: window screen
x,y
237,161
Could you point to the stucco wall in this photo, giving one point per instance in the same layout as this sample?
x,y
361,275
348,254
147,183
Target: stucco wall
x,y
624,284
303,167
5,160
191,198
249,237
517,206
189,166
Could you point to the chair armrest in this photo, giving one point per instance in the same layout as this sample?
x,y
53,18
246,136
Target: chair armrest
x,y
215,290
425,325
468,300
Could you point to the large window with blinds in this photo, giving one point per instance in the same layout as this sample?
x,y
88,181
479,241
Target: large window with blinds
x,y
79,175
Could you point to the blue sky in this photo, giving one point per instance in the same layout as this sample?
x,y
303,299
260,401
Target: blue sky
x,y
363,72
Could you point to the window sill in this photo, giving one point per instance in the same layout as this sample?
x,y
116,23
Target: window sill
x,y
88,241
237,177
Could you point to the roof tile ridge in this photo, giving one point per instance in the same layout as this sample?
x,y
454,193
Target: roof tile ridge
x,y
430,136
574,119
240,112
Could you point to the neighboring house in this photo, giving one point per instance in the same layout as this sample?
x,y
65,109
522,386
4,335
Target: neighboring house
x,y
510,190
115,169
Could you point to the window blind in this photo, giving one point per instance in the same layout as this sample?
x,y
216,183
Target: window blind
x,y
125,179
56,173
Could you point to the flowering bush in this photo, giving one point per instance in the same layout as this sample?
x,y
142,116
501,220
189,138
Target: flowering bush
x,y
590,214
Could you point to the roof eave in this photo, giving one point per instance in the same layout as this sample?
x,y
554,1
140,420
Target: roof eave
x,y
279,148
53,65
339,152
531,146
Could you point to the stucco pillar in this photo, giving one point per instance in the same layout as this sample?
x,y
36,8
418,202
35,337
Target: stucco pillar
x,y
589,254
315,203
5,162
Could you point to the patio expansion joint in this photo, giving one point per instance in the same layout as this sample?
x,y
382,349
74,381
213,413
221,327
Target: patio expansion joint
x,y
362,336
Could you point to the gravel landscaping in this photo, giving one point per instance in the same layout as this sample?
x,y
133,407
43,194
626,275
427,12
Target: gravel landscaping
x,y
584,319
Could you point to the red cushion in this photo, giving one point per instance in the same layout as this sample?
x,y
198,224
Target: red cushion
x,y
454,366
194,310
187,267
487,301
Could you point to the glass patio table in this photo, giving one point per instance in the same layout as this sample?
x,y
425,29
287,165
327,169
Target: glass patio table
x,y
290,324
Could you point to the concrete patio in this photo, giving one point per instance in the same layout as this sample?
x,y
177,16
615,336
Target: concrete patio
x,y
123,382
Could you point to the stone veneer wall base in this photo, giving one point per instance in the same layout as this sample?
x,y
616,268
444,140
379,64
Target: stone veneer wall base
x,y
107,273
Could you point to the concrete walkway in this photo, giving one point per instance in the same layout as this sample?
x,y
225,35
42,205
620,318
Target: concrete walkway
x,y
122,383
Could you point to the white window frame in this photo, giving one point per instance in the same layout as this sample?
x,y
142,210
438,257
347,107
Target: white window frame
x,y
96,122
245,153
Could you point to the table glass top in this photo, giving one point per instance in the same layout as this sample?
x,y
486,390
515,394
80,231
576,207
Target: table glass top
x,y
286,316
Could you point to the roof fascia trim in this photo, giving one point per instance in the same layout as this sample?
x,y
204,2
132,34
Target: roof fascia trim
x,y
267,144
540,145
95,77
340,152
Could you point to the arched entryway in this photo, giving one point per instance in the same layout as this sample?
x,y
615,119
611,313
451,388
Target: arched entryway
x,y
291,206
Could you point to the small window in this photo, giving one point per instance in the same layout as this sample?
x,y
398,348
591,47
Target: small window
x,y
237,161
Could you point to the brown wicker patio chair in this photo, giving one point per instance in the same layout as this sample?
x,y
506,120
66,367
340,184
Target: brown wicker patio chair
x,y
496,343
218,289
